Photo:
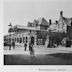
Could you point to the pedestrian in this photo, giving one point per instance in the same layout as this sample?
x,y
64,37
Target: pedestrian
x,y
9,43
9,46
13,44
31,50
25,45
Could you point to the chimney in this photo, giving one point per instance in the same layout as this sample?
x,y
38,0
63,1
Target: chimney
x,y
56,22
61,13
49,21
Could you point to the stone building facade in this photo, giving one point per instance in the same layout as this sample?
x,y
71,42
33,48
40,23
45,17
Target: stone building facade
x,y
34,32
41,32
61,30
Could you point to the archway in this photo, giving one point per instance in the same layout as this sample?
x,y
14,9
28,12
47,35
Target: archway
x,y
32,40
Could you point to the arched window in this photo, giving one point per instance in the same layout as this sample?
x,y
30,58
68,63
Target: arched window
x,y
20,40
32,40
26,39
17,40
23,39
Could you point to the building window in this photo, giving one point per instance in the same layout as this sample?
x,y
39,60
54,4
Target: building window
x,y
32,40
20,40
23,39
26,39
17,40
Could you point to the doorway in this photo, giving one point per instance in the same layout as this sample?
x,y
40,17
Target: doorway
x,y
32,40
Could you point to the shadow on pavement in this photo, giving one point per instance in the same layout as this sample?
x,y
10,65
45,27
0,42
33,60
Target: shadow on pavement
x,y
48,59
67,56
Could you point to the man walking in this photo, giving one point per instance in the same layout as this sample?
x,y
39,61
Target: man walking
x,y
25,45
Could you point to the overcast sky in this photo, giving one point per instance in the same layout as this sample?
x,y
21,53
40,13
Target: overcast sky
x,y
20,12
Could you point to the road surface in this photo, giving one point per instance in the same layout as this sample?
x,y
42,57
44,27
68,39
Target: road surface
x,y
43,56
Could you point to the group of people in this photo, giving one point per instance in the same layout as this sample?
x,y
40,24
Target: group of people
x,y
12,44
25,47
30,49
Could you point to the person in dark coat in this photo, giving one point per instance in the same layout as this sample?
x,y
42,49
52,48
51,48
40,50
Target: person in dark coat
x,y
31,49
9,43
13,44
68,43
25,45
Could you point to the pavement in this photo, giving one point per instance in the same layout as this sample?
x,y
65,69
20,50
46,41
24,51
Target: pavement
x,y
37,49
43,56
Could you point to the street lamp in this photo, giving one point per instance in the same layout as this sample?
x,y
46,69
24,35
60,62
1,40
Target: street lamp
x,y
10,36
36,33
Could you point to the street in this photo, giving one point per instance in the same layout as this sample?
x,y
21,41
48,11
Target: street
x,y
43,56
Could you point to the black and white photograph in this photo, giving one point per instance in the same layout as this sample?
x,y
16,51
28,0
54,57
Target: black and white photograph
x,y
37,32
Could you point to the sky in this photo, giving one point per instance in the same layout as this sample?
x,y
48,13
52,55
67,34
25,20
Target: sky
x,y
23,11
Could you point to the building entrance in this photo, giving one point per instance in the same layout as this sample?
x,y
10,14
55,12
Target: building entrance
x,y
32,40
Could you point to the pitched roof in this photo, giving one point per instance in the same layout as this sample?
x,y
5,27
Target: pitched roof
x,y
67,20
42,21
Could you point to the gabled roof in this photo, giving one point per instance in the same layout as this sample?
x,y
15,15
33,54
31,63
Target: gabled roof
x,y
67,20
42,21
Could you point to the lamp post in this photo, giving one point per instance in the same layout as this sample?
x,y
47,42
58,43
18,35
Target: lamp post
x,y
36,34
10,36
